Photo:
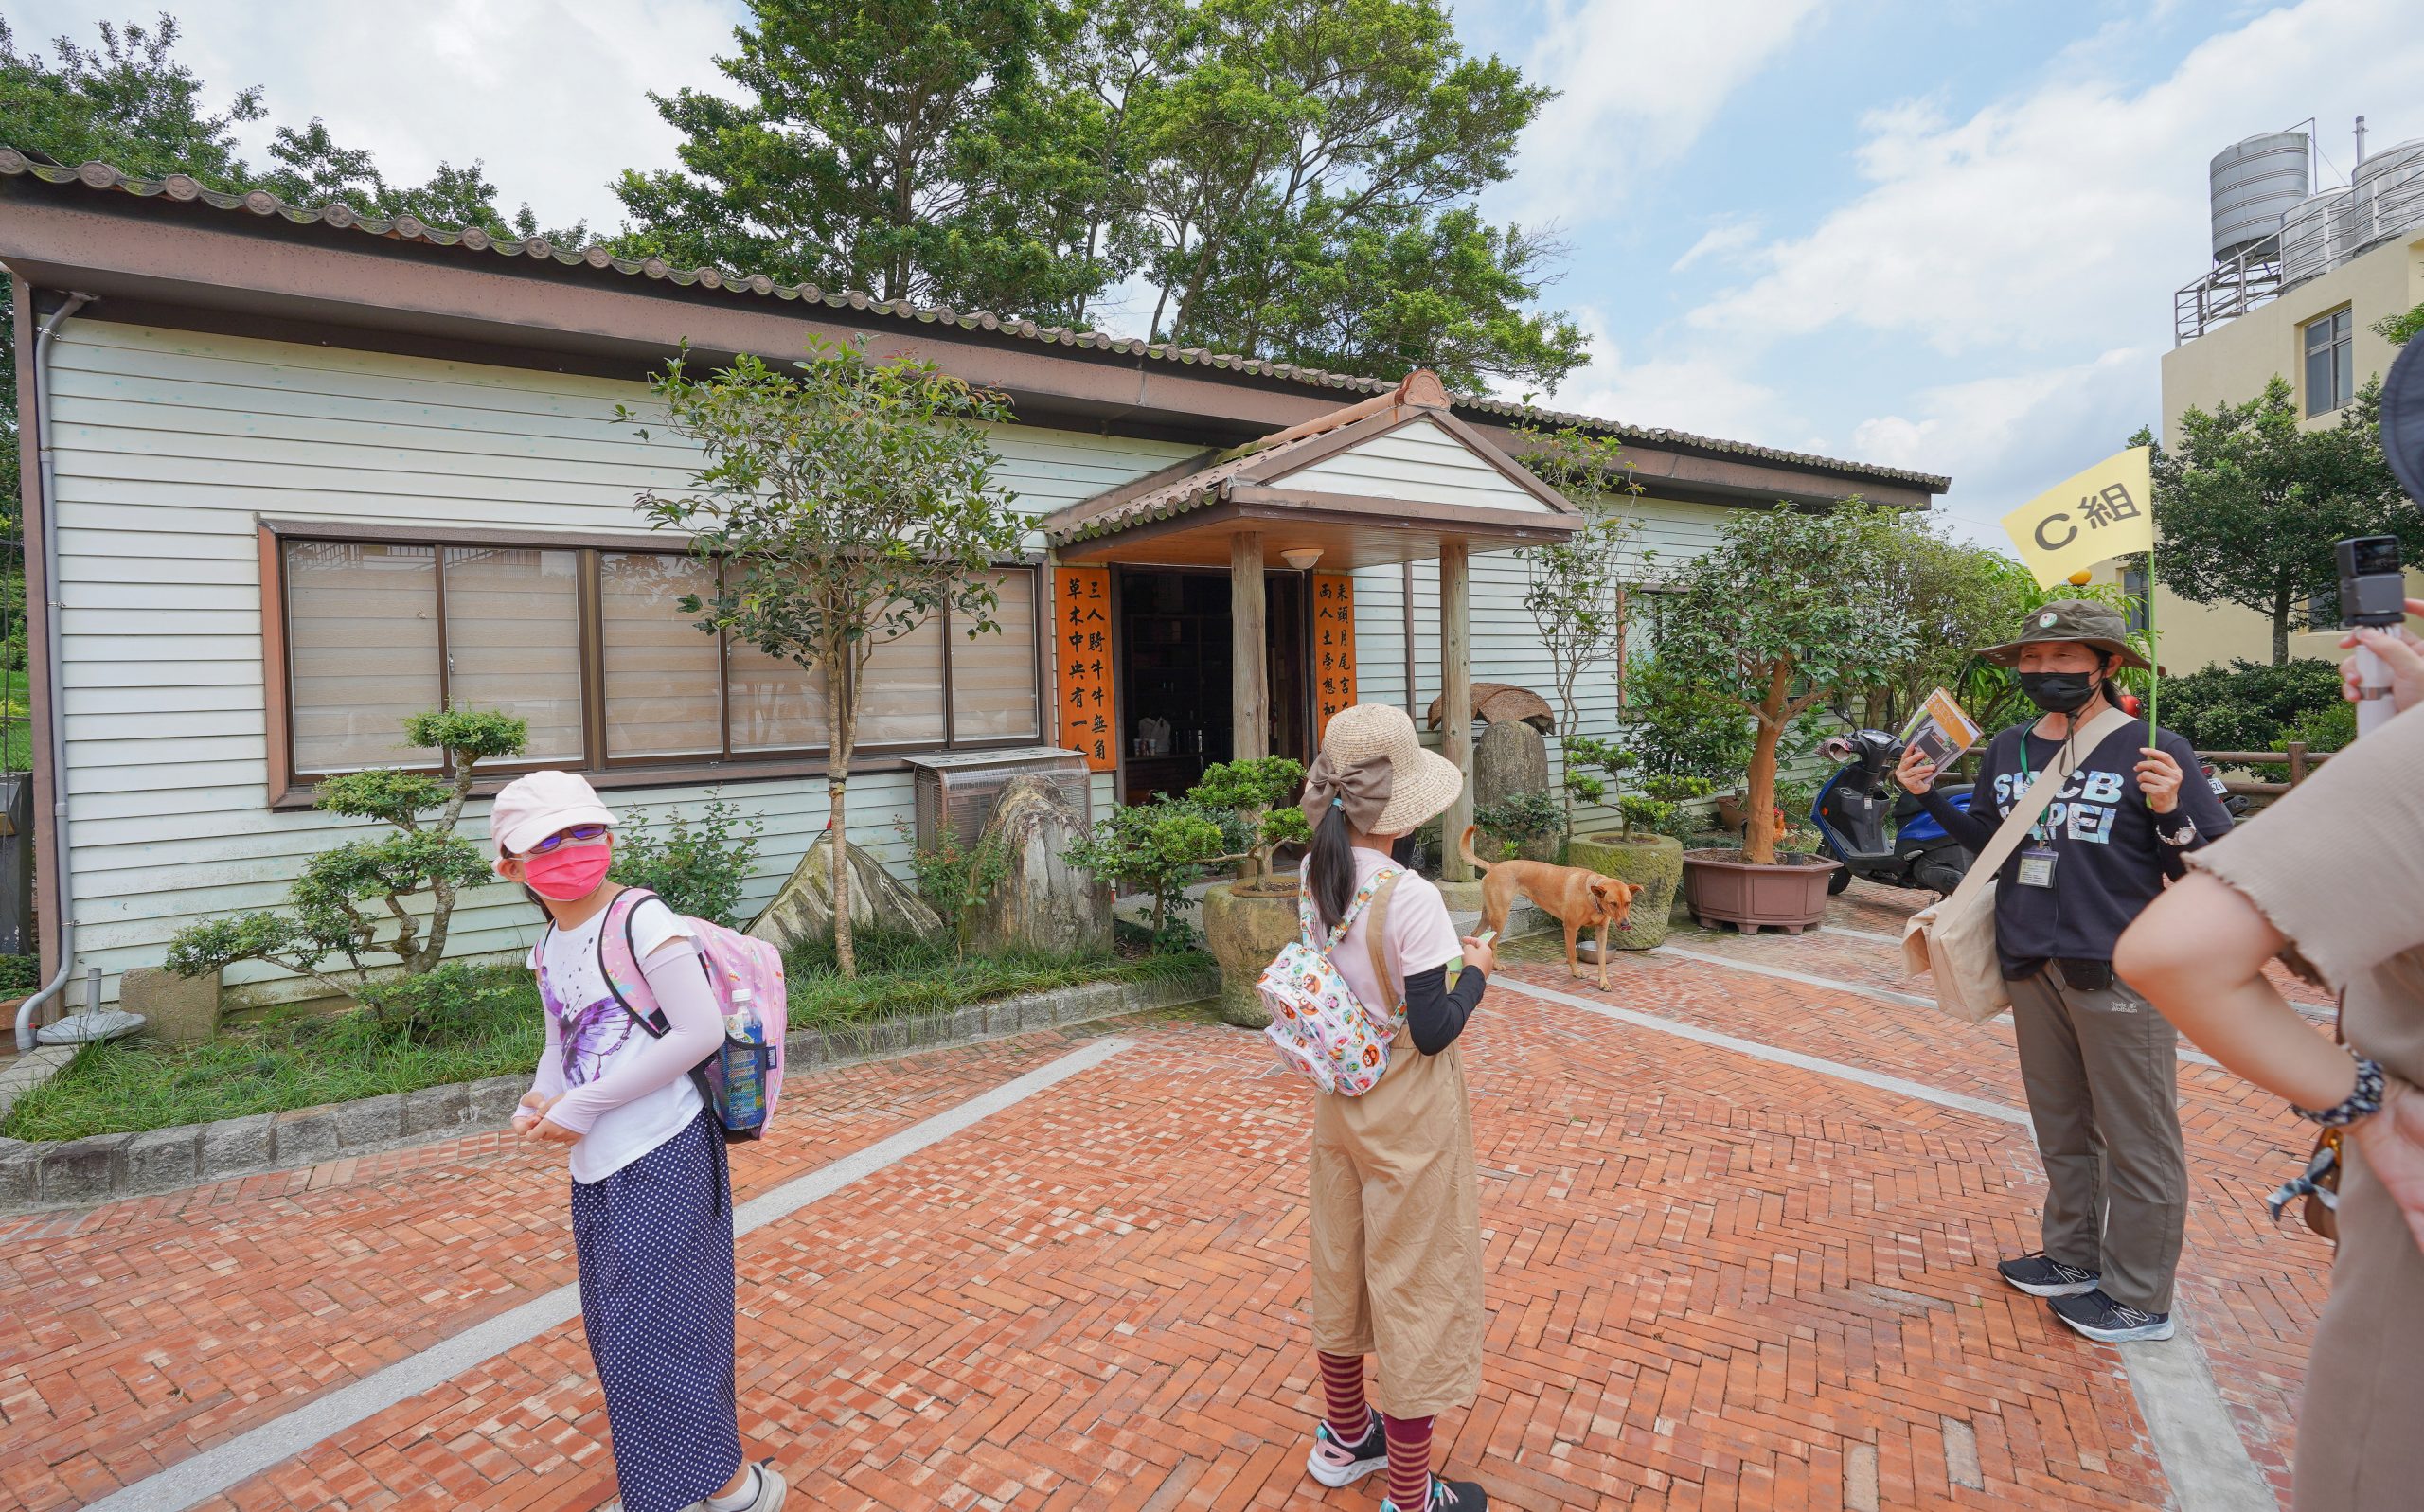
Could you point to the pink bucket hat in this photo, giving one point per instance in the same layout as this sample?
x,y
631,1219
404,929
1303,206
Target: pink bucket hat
x,y
533,807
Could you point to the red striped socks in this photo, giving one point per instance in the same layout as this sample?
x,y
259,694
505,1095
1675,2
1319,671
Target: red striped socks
x,y
1343,1405
1408,1463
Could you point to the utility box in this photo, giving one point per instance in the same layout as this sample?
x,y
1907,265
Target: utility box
x,y
955,790
17,863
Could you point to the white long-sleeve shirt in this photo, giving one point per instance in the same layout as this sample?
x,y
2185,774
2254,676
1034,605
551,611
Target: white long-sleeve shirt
x,y
623,1092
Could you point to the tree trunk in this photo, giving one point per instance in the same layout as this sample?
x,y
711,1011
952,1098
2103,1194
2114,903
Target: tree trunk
x,y
1759,833
2281,627
841,718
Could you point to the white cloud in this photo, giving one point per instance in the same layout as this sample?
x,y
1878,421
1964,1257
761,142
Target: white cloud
x,y
1724,241
550,94
1706,391
2070,213
1639,83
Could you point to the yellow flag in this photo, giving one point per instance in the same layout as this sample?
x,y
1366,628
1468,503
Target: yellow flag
x,y
2101,513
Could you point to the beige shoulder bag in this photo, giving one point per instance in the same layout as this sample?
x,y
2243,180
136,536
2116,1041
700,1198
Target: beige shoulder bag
x,y
1955,939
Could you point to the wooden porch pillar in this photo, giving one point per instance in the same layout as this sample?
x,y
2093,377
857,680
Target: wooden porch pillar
x,y
1457,699
1249,653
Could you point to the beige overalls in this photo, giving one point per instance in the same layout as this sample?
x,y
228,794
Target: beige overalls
x,y
1397,1226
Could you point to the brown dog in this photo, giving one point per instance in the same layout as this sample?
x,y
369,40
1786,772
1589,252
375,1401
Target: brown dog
x,y
1578,899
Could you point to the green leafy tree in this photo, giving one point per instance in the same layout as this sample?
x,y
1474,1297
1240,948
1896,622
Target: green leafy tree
x,y
1258,795
699,868
912,150
1962,598
1160,849
1578,589
845,502
2400,328
959,880
1789,609
2249,705
311,168
1681,729
1309,172
2251,500
358,901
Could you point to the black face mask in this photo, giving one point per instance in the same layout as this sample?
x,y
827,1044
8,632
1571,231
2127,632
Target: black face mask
x,y
2059,692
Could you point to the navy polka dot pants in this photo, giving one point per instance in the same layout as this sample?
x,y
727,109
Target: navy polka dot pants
x,y
656,1297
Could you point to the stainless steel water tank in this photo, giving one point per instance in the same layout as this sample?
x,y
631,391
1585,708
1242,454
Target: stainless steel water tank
x,y
2305,235
2254,182
2388,189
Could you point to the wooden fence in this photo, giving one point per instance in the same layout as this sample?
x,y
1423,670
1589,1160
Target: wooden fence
x,y
2300,761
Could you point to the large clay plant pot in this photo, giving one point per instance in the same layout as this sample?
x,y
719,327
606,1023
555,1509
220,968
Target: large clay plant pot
x,y
1655,863
1245,926
1790,894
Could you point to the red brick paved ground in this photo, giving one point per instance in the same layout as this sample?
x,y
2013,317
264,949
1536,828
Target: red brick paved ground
x,y
1716,1283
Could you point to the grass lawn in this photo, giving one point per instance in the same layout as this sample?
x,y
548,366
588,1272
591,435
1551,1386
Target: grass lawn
x,y
301,1059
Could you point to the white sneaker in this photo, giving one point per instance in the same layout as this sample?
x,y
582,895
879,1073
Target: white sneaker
x,y
1334,1464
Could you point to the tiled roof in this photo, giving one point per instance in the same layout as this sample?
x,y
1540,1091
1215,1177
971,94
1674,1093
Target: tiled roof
x,y
1192,491
180,187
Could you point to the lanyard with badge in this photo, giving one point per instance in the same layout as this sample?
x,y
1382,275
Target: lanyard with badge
x,y
2037,861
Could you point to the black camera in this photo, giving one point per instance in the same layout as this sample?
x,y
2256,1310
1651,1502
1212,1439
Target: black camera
x,y
2373,589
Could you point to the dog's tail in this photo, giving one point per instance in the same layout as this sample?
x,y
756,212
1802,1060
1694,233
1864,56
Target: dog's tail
x,y
1465,842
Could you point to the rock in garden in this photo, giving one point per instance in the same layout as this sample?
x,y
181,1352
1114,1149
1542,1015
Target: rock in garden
x,y
804,909
1044,904
1507,759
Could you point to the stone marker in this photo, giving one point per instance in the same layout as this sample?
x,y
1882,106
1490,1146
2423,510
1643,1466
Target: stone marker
x,y
804,909
1507,759
176,1010
1044,904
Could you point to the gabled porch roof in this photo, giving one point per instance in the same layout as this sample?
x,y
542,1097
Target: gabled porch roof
x,y
1387,480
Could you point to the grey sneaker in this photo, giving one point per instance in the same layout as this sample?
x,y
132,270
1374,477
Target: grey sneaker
x,y
1335,1464
2108,1322
2042,1276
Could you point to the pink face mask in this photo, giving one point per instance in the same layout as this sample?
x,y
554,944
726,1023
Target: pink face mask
x,y
568,873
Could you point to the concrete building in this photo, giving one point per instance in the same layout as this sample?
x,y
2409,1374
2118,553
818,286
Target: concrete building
x,y
2268,310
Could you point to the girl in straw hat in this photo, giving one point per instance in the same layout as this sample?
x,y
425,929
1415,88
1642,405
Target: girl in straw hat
x,y
1396,1203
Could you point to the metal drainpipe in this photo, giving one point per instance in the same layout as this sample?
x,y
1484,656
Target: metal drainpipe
x,y
54,665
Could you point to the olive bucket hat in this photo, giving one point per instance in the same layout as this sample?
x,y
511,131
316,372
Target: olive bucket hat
x,y
2083,620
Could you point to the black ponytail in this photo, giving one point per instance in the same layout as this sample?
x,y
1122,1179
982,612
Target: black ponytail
x,y
1330,867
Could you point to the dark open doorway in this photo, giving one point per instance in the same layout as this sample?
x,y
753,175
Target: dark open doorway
x,y
1175,669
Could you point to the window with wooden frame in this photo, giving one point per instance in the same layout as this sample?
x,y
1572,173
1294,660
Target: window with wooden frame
x,y
585,638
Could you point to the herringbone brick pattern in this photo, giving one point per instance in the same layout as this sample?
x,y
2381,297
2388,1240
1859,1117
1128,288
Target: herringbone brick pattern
x,y
1716,1282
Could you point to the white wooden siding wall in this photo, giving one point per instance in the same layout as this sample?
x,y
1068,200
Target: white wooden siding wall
x,y
170,444
1421,462
1507,643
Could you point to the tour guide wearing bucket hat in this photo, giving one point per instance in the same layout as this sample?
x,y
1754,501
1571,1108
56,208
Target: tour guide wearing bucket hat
x,y
2099,1063
1393,1192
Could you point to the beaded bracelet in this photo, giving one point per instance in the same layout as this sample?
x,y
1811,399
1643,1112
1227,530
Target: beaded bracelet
x,y
2362,1103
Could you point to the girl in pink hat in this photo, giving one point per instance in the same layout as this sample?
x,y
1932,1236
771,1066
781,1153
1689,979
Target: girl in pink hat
x,y
651,1194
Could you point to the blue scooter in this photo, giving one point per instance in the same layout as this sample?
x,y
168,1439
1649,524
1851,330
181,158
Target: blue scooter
x,y
1851,809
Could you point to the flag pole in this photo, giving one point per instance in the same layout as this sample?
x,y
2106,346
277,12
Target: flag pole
x,y
2154,654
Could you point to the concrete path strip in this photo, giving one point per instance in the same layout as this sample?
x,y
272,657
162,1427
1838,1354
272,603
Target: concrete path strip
x,y
1836,983
2196,1441
282,1438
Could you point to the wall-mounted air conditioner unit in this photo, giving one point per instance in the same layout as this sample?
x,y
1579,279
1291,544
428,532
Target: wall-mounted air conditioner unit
x,y
955,790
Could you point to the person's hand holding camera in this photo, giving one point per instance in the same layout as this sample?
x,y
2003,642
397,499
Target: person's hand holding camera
x,y
1915,772
2402,655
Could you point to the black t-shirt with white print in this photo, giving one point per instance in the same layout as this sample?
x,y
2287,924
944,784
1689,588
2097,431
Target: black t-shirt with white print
x,y
2113,853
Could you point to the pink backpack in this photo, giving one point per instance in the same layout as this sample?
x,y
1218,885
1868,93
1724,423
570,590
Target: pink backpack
x,y
733,961
1317,1024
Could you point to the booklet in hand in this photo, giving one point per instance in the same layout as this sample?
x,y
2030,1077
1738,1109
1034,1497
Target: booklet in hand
x,y
1941,730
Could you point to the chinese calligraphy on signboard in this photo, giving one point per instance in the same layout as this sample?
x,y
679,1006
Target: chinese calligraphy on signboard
x,y
1081,651
2104,513
1333,647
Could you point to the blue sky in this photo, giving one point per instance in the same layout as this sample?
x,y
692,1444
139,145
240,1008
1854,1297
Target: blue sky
x,y
1939,233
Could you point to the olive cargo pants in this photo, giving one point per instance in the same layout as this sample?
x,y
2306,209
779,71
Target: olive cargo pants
x,y
2102,1071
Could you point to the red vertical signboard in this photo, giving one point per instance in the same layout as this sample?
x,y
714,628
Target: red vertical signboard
x,y
1081,651
1333,647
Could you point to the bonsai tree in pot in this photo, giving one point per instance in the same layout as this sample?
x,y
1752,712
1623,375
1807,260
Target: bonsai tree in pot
x,y
1792,608
1639,852
1526,824
1248,918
